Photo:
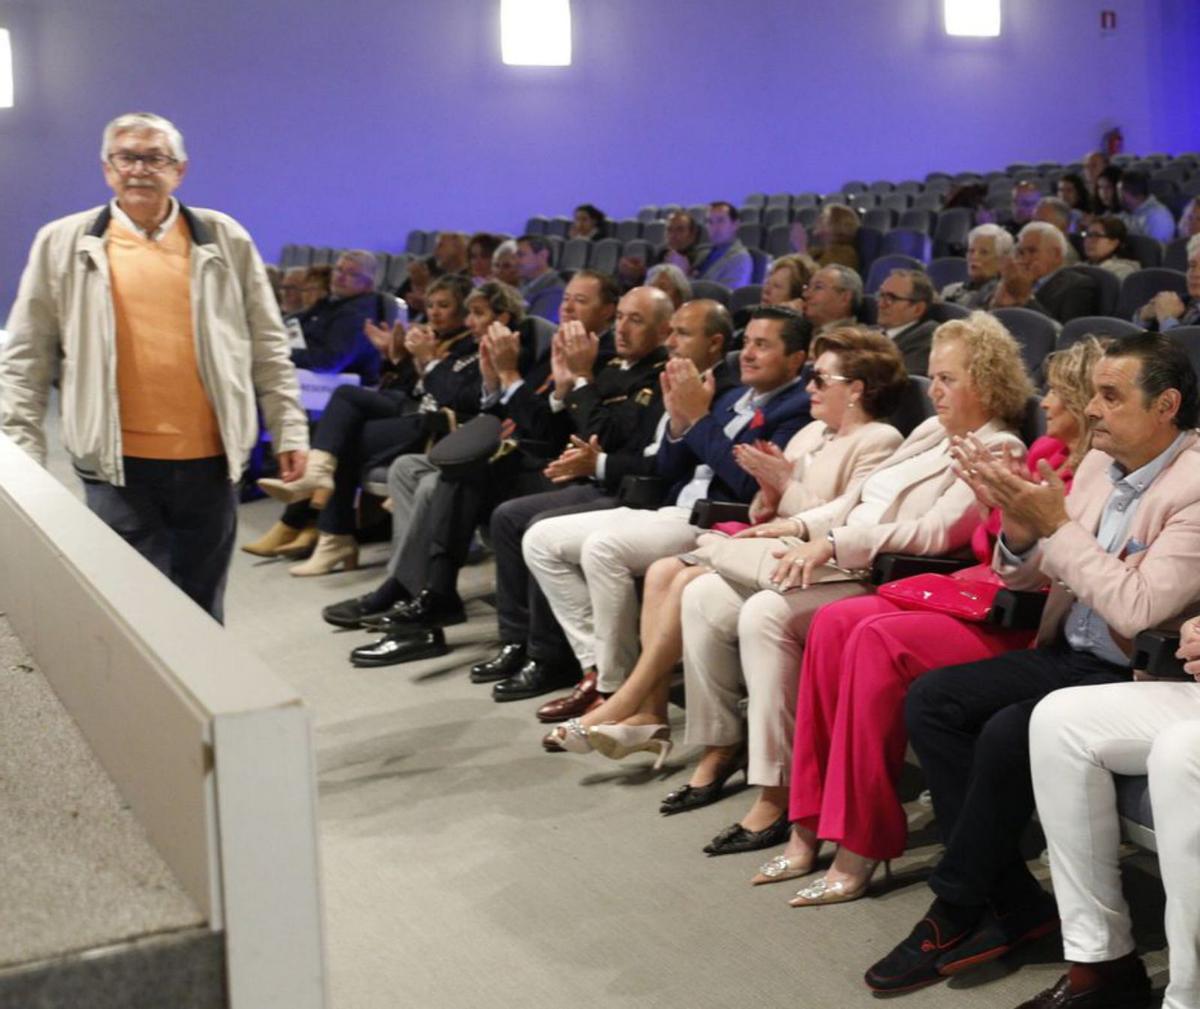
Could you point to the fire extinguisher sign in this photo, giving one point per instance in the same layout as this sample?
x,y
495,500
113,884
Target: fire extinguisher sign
x,y
1108,21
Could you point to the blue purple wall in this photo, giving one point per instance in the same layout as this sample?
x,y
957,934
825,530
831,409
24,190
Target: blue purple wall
x,y
348,124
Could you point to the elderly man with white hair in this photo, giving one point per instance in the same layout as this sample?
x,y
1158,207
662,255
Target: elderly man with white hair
x,y
988,245
169,338
1034,277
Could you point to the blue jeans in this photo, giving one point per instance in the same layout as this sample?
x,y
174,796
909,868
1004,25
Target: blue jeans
x,y
181,516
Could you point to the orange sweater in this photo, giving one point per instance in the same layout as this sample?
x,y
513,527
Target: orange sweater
x,y
165,412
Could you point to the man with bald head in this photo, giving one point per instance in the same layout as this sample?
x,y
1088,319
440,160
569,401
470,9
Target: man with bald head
x,y
586,564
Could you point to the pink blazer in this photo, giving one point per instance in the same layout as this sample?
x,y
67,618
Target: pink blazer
x,y
1132,589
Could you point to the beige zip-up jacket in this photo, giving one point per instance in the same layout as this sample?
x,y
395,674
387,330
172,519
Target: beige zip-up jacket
x,y
64,313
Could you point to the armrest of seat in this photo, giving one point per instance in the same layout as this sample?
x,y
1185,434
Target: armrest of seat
x,y
1154,652
707,514
889,567
1017,611
642,491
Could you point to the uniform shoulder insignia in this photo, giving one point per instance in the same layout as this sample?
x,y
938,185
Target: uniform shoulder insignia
x,y
465,362
613,362
644,397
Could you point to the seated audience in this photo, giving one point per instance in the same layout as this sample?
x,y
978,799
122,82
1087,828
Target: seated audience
x,y
449,256
1054,211
1035,278
988,245
744,624
332,329
1189,220
683,238
1073,191
291,290
786,280
670,279
586,563
480,250
317,282
904,299
1094,164
1118,555
1025,197
437,370
504,264
1104,246
1105,200
728,261
1079,738
1144,214
833,298
588,222
541,286
857,378
859,659
833,238
275,279
1166,310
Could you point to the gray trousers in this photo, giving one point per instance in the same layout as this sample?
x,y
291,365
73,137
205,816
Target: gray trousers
x,y
411,482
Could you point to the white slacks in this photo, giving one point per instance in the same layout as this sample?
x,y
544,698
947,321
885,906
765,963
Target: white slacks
x,y
586,564
740,641
1079,738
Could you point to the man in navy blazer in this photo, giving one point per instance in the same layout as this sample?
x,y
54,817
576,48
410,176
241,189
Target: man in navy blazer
x,y
586,564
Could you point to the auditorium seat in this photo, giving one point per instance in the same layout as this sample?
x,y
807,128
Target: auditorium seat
x,y
932,201
779,240
951,231
917,220
775,216
560,226
761,261
1108,286
639,248
605,254
1146,250
897,202
883,219
655,232
1094,325
1189,338
1036,333
747,215
415,242
907,242
576,255
806,215
536,225
745,297
868,242
854,186
711,289
627,229
947,270
885,264
805,200
944,311
751,235
1175,256
1141,285
648,214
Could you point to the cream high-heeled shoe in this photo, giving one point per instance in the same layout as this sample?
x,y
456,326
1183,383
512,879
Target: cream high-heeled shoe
x,y
333,550
822,891
278,536
617,740
571,735
302,546
315,486
781,868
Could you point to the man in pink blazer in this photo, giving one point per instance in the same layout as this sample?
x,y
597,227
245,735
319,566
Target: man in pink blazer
x,y
1120,554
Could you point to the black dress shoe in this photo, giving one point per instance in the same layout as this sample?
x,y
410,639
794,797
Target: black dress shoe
x,y
914,963
735,838
531,680
998,934
500,666
394,649
352,612
695,796
1133,993
428,610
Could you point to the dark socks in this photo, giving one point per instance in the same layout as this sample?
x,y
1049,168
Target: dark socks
x,y
386,595
1087,976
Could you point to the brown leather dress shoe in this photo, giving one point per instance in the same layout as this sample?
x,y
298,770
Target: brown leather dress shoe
x,y
579,701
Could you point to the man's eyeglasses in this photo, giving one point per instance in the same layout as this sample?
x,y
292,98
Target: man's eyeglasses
x,y
1095,234
887,298
820,380
124,161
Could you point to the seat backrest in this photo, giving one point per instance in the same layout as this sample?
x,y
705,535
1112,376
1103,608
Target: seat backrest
x,y
1036,333
543,333
1146,250
605,254
775,216
576,254
929,201
750,215
947,270
711,289
907,242
806,215
1094,325
536,225
1033,422
779,200
647,214
628,228
917,220
639,248
415,242
560,226
805,200
1108,286
880,218
865,201
951,231
915,406
910,186
655,232
944,311
779,240
745,297
1142,285
751,235
1175,257
868,242
881,187
885,264
899,202
755,200
397,271
1189,338
854,186
761,261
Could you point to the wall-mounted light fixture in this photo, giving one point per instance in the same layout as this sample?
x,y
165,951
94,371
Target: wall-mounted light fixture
x,y
535,33
973,17
6,71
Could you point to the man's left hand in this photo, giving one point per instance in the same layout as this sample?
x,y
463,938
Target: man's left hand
x,y
688,395
577,461
1040,508
292,464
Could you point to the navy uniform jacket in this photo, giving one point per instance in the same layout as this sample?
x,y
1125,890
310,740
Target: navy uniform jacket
x,y
706,442
333,332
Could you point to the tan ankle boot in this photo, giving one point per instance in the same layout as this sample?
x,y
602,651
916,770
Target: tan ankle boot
x,y
301,546
334,550
316,484
278,536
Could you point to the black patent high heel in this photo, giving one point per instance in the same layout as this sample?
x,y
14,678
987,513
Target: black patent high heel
x,y
695,796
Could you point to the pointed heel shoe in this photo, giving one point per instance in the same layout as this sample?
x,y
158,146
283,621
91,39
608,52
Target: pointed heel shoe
x,y
333,550
618,741
824,892
781,868
695,796
315,486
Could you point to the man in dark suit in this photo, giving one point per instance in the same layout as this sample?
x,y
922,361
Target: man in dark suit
x,y
1035,278
904,299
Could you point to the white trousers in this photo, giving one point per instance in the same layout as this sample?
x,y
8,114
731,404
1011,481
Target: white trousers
x,y
1079,738
738,641
586,564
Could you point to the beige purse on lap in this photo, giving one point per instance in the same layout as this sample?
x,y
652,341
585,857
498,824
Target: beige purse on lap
x,y
750,562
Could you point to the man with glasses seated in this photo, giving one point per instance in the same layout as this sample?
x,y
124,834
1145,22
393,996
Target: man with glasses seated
x,y
832,298
1034,277
168,333
904,300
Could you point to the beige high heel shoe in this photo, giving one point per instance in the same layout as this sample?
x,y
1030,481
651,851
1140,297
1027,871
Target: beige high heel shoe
x,y
781,868
824,892
617,741
315,486
333,550
278,536
302,546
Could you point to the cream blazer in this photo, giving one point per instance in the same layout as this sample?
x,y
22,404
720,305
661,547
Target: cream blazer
x,y
1154,577
837,464
931,515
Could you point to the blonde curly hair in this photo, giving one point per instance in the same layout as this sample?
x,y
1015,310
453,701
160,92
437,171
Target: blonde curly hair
x,y
994,364
1069,374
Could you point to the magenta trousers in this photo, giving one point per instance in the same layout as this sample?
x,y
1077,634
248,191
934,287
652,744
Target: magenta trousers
x,y
860,656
